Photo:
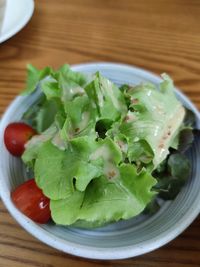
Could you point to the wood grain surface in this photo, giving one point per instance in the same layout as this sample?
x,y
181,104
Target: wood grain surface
x,y
158,35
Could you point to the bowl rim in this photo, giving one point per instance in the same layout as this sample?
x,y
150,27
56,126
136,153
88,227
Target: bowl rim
x,y
89,251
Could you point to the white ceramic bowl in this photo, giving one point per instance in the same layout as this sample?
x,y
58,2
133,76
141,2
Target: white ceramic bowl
x,y
120,240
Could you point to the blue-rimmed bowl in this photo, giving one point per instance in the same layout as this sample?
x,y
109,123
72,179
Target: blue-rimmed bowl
x,y
120,240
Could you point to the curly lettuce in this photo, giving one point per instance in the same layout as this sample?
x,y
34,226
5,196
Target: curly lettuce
x,y
103,154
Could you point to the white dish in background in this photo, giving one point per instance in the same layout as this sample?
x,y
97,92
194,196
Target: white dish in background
x,y
17,15
119,240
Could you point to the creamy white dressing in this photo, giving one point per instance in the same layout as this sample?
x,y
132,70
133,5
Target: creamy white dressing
x,y
102,151
37,139
84,120
69,93
76,90
57,141
45,136
173,123
130,117
123,146
111,171
158,108
156,130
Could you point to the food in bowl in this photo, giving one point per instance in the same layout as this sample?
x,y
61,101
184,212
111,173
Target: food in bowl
x,y
101,153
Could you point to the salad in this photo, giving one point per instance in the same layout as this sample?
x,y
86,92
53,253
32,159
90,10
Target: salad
x,y
99,153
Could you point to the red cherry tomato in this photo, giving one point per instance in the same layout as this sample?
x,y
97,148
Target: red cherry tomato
x,y
30,200
15,137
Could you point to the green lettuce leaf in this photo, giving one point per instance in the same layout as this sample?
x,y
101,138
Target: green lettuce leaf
x,y
185,137
66,211
50,87
107,200
107,98
179,166
62,83
68,78
70,82
173,174
46,116
30,114
42,114
35,143
185,140
156,117
55,171
140,151
58,172
190,119
81,118
34,76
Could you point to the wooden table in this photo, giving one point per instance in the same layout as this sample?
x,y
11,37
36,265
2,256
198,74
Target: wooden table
x,y
159,35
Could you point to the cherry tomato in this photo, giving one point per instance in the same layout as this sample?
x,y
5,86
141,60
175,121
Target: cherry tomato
x,y
15,137
30,200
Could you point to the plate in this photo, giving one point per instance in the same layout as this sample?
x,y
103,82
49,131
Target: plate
x,y
17,15
119,240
